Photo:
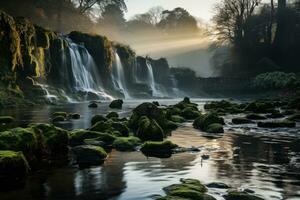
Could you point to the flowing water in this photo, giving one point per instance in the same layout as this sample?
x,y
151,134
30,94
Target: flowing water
x,y
119,76
84,71
151,81
263,160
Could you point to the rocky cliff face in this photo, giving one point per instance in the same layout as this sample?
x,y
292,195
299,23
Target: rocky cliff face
x,y
39,63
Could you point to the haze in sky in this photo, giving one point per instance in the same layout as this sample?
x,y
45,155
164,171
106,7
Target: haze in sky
x,y
202,9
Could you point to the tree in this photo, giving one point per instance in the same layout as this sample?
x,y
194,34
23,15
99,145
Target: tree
x,y
155,14
112,16
231,18
178,21
87,6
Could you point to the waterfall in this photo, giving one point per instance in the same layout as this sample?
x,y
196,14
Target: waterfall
x,y
118,76
151,82
84,71
50,97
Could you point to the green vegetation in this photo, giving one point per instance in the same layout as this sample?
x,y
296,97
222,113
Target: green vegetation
x,y
89,155
126,143
276,80
210,123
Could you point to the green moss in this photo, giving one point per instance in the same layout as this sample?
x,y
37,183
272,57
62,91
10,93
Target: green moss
x,y
177,119
260,107
190,113
77,137
112,115
204,121
98,118
120,127
6,119
188,189
56,139
126,143
58,119
150,130
234,195
63,114
215,128
102,126
13,165
89,154
158,149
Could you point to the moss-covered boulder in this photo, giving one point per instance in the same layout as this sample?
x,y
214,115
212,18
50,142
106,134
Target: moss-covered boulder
x,y
277,124
215,128
56,139
188,189
158,149
190,113
254,116
116,104
121,128
6,119
87,155
63,114
241,120
224,107
102,127
98,118
58,119
77,137
177,119
112,115
204,121
126,143
234,195
13,166
218,185
260,107
149,130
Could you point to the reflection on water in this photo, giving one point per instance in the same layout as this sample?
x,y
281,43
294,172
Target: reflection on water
x,y
265,163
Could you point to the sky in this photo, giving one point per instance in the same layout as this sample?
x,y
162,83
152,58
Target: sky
x,y
202,9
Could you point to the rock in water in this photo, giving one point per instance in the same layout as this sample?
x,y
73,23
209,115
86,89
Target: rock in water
x,y
116,104
89,155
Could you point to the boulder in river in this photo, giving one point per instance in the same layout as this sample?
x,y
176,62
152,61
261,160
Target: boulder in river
x,y
149,130
116,104
89,155
240,120
98,118
6,119
234,195
126,143
277,124
158,149
254,116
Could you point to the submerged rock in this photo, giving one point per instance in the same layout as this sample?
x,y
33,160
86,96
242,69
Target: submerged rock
x,y
295,117
217,185
234,195
6,119
260,107
57,114
277,124
116,104
275,114
126,143
158,149
241,120
89,155
255,117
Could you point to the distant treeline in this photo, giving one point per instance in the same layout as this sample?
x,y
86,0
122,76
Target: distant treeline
x,y
261,37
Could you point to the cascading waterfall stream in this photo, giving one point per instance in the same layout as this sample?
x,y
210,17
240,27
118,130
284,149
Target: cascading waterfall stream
x,y
118,76
151,82
83,69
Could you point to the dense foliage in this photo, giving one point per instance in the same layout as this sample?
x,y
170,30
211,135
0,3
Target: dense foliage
x,y
276,80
